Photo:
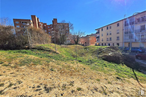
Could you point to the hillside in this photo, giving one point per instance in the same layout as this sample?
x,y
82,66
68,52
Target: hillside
x,y
44,72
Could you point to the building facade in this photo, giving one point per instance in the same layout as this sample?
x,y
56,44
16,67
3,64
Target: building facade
x,y
110,35
128,32
89,40
135,30
53,29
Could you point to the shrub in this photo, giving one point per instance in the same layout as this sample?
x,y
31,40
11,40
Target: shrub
x,y
18,38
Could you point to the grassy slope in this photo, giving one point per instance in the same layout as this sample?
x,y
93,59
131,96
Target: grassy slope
x,y
85,55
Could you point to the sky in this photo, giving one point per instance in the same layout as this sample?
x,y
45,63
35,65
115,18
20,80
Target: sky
x,y
85,15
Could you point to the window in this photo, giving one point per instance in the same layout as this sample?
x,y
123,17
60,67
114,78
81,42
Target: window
x,y
138,20
107,39
142,27
45,30
105,43
107,33
108,44
142,18
102,44
110,33
117,44
110,39
107,27
48,27
17,22
117,24
49,32
102,34
131,37
17,26
117,31
142,36
110,27
126,32
102,39
101,29
118,38
113,44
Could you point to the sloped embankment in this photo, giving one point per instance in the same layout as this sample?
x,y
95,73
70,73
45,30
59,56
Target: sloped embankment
x,y
38,73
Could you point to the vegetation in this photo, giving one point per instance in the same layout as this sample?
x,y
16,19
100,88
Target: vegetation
x,y
18,38
45,53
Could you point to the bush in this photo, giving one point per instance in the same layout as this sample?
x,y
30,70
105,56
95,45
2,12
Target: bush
x,y
9,39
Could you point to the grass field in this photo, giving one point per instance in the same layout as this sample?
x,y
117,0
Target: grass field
x,y
44,54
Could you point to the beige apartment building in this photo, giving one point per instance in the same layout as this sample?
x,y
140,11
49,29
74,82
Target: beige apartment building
x,y
128,32
110,35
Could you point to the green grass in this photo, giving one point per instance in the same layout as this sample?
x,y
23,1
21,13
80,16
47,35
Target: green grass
x,y
85,55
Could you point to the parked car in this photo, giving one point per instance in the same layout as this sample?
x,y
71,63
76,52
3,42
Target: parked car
x,y
141,56
126,49
138,49
135,49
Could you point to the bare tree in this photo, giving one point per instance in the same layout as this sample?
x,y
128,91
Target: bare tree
x,y
76,36
61,32
5,21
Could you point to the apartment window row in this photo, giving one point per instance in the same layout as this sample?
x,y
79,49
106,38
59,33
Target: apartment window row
x,y
109,33
109,27
109,39
110,44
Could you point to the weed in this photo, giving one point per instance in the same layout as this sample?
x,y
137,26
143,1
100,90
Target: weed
x,y
109,82
71,83
52,69
79,89
1,84
98,80
10,85
104,90
5,65
1,62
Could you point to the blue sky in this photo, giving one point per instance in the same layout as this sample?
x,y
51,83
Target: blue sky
x,y
86,15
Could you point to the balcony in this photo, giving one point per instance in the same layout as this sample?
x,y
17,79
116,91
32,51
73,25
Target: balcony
x,y
139,30
97,32
135,40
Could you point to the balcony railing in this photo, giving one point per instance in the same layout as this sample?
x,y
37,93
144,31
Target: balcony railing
x,y
139,30
135,40
97,32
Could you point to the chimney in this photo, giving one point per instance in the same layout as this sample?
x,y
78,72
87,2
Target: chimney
x,y
34,21
54,21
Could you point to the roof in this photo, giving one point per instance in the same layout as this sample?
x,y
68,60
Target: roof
x,y
23,19
121,19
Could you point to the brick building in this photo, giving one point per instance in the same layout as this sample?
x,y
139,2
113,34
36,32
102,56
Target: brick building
x,y
52,29
89,40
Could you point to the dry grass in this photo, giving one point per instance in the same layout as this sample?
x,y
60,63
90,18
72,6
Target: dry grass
x,y
39,75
